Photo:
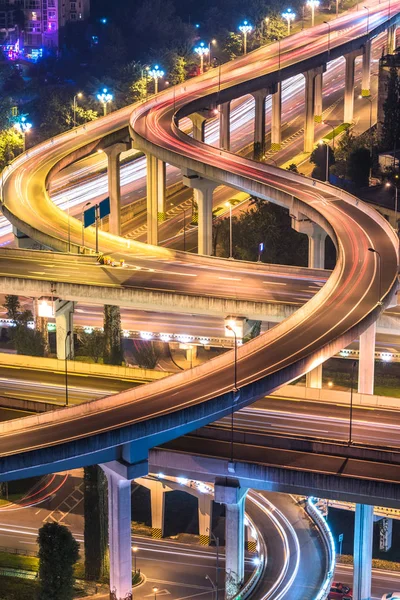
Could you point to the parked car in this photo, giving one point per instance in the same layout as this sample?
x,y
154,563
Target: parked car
x,y
391,596
340,591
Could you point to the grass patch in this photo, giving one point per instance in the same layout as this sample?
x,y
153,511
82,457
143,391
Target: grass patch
x,y
337,131
17,561
12,588
377,563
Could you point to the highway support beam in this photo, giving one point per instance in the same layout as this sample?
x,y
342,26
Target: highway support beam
x,y
119,477
156,194
349,86
366,70
366,361
64,313
259,123
310,77
318,98
224,125
203,196
205,503
391,39
227,491
113,153
276,122
363,531
316,241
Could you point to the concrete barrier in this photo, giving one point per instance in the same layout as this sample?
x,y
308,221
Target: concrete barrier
x,y
299,392
81,368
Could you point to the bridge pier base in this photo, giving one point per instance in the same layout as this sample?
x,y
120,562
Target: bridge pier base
x,y
64,313
114,184
205,518
224,126
203,196
157,499
318,98
310,77
156,186
314,378
349,87
276,122
366,70
259,123
366,361
363,531
228,491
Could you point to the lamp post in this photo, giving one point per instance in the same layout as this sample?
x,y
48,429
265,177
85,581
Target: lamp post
x,y
230,228
351,403
105,98
202,50
216,541
214,587
321,143
329,36
333,133
366,8
78,95
290,16
380,273
134,550
23,127
235,389
214,43
245,29
396,189
156,73
265,25
155,590
66,365
313,4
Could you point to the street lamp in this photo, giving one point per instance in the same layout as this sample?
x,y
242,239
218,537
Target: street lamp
x,y
214,43
329,36
216,541
67,348
351,403
155,590
246,28
156,73
134,550
380,273
78,95
289,16
235,388
202,50
23,127
366,8
105,97
313,4
229,204
333,133
214,587
396,189
321,143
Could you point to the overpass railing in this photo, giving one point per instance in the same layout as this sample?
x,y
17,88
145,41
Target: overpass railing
x,y
327,537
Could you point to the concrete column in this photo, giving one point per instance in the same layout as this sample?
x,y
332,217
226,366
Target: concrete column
x,y
114,185
259,123
391,39
205,518
314,378
251,540
316,241
119,527
366,361
199,124
156,184
225,126
276,123
363,531
349,88
318,98
203,196
310,107
64,313
366,71
157,496
228,492
385,534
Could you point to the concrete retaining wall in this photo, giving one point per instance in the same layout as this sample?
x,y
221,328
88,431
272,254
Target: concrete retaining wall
x,y
336,397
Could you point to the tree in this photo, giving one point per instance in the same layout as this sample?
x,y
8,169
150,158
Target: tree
x,y
177,70
10,146
92,343
26,340
391,107
358,166
293,168
112,354
139,89
277,28
146,354
95,503
58,553
232,45
318,158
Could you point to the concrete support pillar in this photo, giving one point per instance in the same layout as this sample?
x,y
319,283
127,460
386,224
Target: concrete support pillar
x,y
156,186
203,196
366,71
259,123
64,313
225,126
363,530
251,540
119,527
314,378
366,361
114,185
205,518
21,240
316,241
385,534
310,77
228,492
391,39
157,496
349,87
318,98
276,123
199,124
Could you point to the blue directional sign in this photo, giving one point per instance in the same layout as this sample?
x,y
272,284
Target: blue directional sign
x,y
261,247
104,208
89,216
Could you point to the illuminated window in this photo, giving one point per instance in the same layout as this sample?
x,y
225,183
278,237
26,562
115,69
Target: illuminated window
x,y
34,16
